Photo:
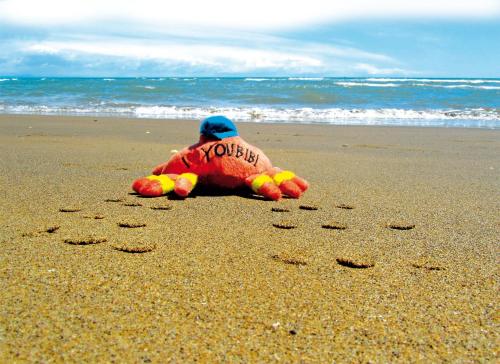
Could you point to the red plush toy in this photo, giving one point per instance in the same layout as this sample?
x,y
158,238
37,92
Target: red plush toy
x,y
222,159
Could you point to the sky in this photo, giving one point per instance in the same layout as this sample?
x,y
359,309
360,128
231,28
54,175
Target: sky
x,y
383,38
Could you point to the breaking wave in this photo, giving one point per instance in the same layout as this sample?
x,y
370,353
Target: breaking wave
x,y
480,117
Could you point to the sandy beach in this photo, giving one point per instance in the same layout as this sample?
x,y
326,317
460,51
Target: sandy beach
x,y
395,259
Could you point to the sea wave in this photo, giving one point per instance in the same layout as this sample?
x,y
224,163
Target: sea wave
x,y
432,80
422,84
368,84
257,79
480,117
466,86
305,78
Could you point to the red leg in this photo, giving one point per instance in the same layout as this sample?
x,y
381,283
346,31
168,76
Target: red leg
x,y
290,184
264,185
153,186
185,183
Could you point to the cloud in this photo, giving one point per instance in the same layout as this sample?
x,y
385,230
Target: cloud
x,y
218,58
378,71
217,37
181,55
248,15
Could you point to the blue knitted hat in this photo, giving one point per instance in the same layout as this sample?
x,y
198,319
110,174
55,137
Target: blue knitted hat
x,y
218,127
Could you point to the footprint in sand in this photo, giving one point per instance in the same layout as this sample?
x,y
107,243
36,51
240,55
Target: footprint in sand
x,y
356,263
90,240
96,217
334,226
52,229
309,207
113,200
135,248
163,208
279,209
400,226
131,225
345,206
427,265
132,204
285,225
69,209
49,230
288,259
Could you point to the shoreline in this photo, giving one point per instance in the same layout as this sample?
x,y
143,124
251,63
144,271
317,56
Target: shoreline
x,y
412,276
272,122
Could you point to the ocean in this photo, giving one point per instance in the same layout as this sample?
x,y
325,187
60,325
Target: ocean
x,y
447,102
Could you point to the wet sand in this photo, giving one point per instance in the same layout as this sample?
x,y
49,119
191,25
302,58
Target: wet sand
x,y
398,263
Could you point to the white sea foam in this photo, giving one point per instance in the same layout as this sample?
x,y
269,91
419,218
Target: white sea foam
x,y
423,83
431,80
484,87
4,79
480,117
305,78
108,79
367,84
257,79
308,115
148,87
469,86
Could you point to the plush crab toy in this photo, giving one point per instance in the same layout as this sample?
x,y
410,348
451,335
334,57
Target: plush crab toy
x,y
220,159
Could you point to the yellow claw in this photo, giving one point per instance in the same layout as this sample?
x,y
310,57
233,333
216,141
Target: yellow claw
x,y
283,176
167,184
193,178
259,181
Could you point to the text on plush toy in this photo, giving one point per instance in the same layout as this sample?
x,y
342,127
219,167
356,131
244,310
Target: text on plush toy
x,y
230,150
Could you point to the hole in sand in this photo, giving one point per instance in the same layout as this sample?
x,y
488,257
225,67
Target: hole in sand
x,y
400,226
345,207
142,248
132,204
351,263
308,207
84,241
279,209
69,209
285,225
131,224
288,260
334,226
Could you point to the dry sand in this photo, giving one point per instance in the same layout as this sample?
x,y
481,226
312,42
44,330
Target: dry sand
x,y
211,279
